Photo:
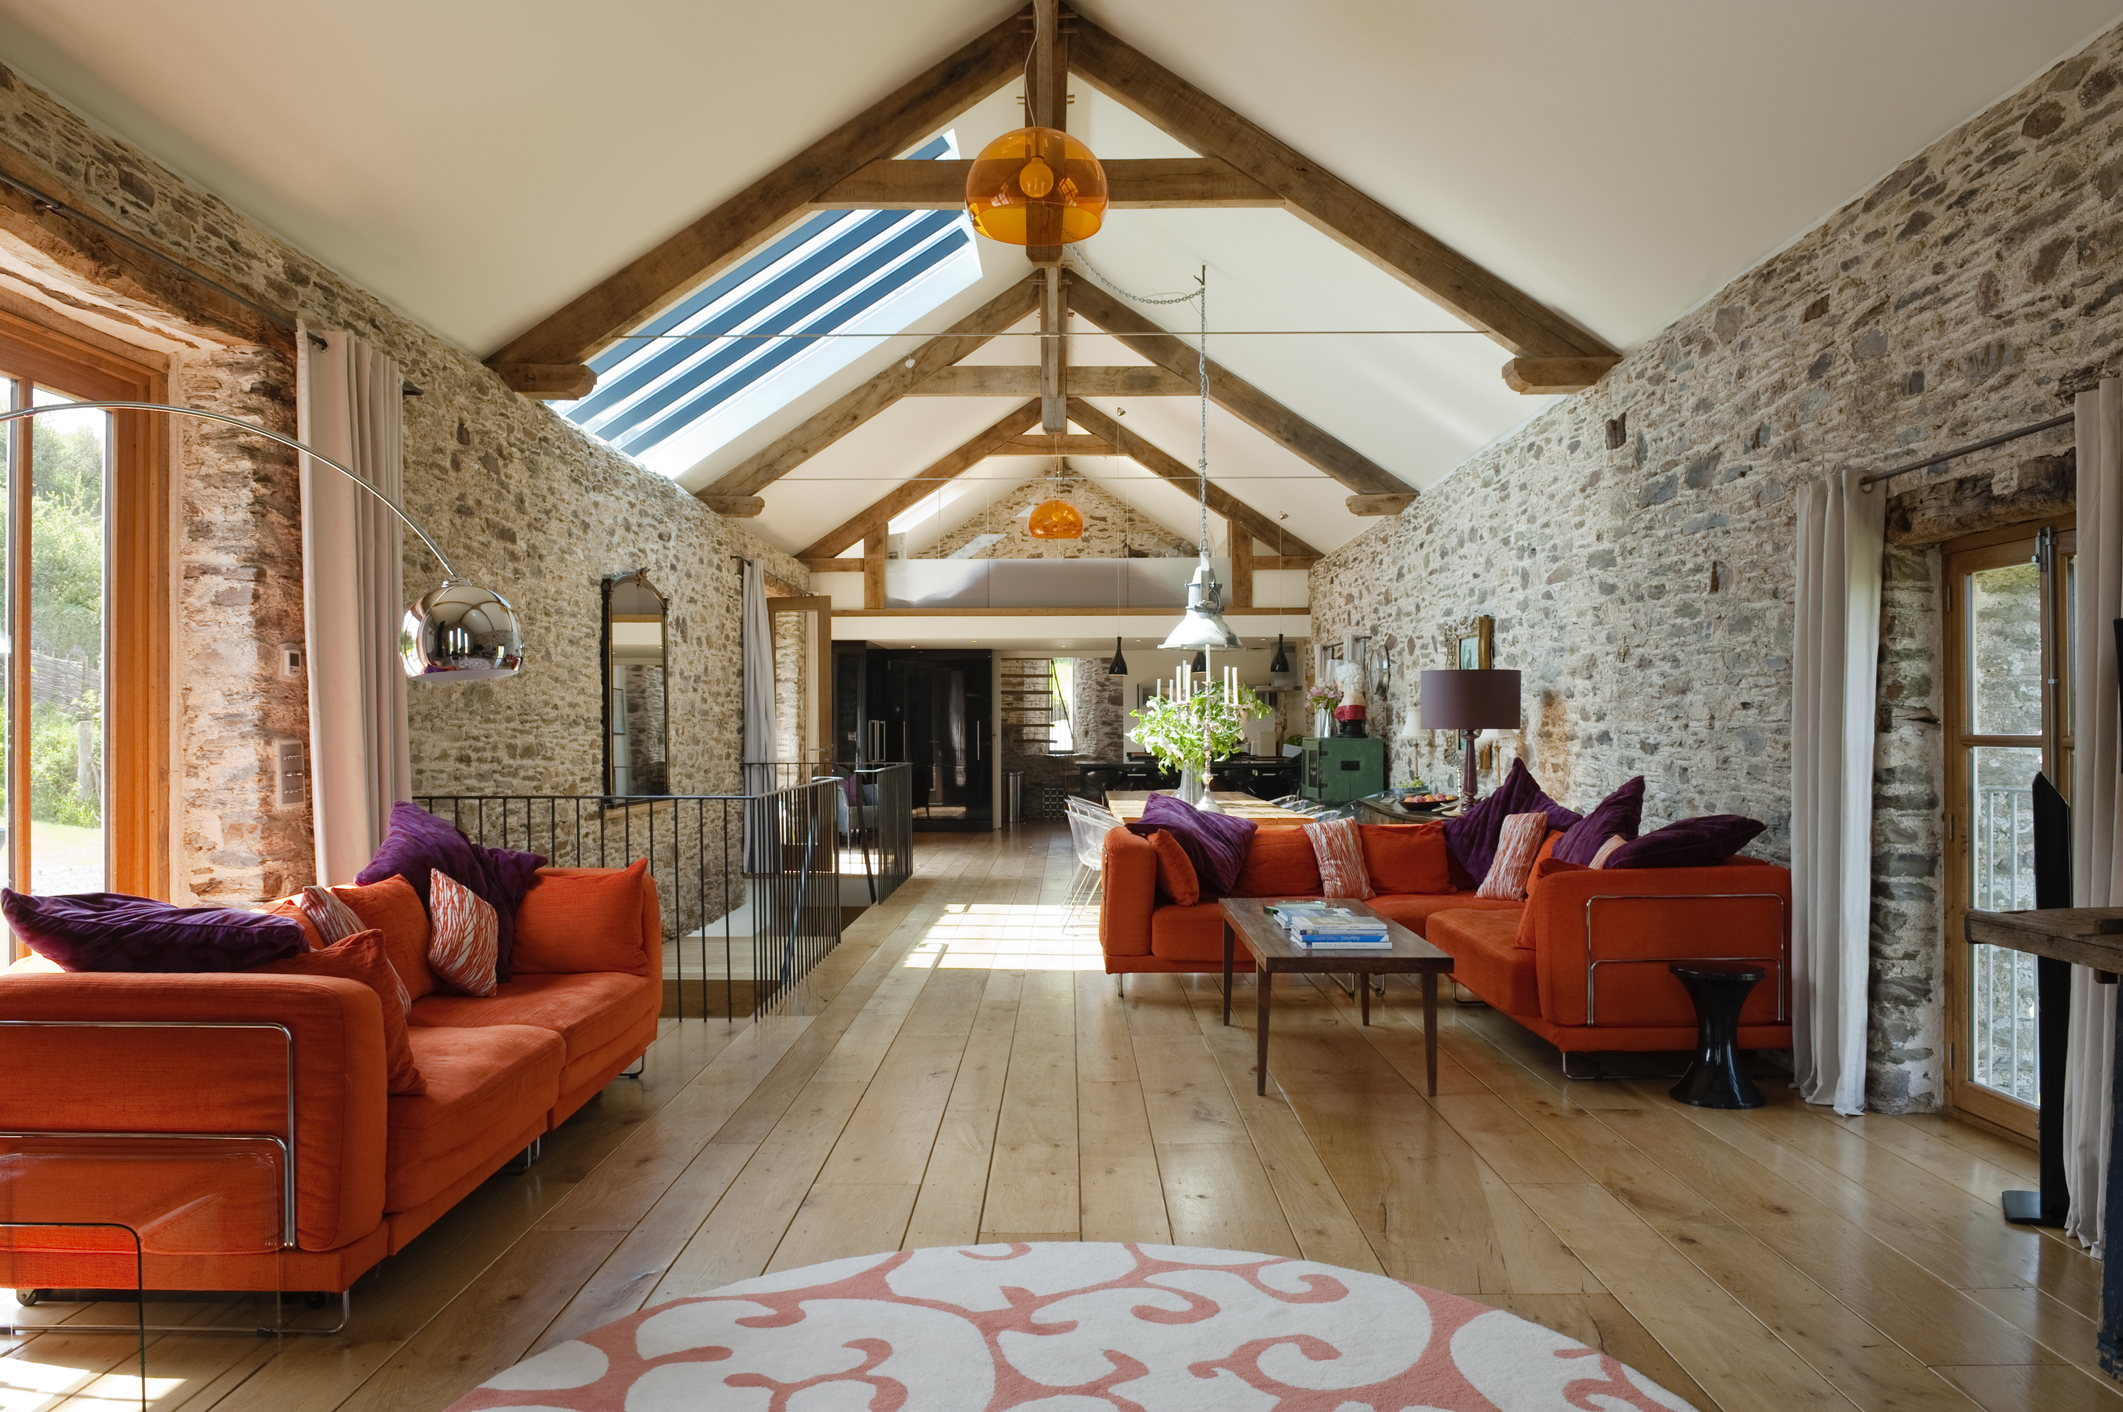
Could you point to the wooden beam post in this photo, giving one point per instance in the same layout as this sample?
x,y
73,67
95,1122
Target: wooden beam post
x,y
1235,395
1047,95
1379,504
735,507
873,568
1053,355
906,496
549,382
1544,375
1240,598
1169,468
817,432
659,277
1441,274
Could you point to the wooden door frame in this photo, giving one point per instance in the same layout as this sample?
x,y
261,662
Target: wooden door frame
x,y
136,667
1992,548
818,743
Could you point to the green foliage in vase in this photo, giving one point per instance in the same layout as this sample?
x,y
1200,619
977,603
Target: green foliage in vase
x,y
1187,735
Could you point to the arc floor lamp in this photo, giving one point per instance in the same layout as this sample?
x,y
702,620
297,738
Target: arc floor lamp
x,y
457,632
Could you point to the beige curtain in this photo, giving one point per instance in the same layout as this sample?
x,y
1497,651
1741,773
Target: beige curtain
x,y
2096,872
349,401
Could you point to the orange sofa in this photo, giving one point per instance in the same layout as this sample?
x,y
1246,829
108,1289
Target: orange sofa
x,y
277,1084
1580,962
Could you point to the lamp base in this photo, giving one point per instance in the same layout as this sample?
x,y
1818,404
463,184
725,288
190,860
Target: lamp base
x,y
1467,771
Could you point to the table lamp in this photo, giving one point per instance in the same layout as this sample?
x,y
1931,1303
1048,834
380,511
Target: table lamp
x,y
1469,702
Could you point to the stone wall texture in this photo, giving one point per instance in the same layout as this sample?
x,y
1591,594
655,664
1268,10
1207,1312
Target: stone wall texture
x,y
519,498
1635,542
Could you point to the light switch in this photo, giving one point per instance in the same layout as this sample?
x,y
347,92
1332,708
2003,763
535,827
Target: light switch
x,y
291,770
291,659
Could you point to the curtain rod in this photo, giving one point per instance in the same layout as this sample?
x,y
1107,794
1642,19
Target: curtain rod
x,y
1867,482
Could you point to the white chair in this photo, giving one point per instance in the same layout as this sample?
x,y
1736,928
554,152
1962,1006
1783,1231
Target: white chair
x,y
1088,827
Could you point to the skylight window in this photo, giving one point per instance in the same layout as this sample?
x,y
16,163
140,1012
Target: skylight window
x,y
754,339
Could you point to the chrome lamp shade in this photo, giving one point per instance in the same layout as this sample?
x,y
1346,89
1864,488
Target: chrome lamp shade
x,y
1204,625
461,632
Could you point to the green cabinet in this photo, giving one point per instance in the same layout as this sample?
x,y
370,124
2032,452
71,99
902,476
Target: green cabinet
x,y
1338,769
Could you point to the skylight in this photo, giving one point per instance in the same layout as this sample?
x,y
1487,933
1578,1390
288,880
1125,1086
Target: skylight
x,y
748,342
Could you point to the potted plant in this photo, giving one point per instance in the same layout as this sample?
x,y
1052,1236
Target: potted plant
x,y
1188,733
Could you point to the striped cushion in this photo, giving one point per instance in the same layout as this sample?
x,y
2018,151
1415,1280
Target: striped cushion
x,y
336,922
466,939
1340,850
1516,846
1614,841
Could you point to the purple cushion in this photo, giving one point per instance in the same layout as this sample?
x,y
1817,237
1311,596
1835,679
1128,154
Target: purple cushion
x,y
1688,843
109,931
419,841
1619,813
1470,839
1216,844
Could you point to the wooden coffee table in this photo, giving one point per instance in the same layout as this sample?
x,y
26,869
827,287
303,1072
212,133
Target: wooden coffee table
x,y
1274,953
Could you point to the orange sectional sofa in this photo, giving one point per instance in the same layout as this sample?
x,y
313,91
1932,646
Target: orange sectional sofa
x,y
1581,961
259,1068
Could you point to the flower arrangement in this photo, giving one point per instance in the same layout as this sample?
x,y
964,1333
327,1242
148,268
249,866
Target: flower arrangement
x,y
1323,698
1186,732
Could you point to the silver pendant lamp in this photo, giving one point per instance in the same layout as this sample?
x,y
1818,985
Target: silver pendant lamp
x,y
1203,627
458,632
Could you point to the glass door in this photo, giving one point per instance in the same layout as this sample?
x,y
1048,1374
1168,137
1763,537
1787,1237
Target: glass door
x,y
2007,615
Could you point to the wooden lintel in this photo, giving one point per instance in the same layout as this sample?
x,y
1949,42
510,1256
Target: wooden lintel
x,y
1234,394
1441,274
993,380
1169,468
1132,184
1040,444
1379,504
655,279
1107,611
821,564
817,432
1283,561
1545,375
551,382
910,493
735,507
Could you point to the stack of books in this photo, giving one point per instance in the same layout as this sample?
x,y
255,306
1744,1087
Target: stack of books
x,y
1320,926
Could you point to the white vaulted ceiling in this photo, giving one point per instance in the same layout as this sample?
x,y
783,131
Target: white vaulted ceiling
x,y
480,162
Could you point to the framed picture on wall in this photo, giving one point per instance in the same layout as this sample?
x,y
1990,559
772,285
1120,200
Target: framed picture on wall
x,y
1468,643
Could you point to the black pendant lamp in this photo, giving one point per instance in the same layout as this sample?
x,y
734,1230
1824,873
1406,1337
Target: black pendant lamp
x,y
1118,667
1279,664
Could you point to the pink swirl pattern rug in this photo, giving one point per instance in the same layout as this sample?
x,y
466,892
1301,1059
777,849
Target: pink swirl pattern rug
x,y
1071,1328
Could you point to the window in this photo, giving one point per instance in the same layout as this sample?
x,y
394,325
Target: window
x,y
84,540
756,337
2007,718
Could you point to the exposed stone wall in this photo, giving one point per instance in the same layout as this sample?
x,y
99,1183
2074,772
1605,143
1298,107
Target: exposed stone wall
x,y
1635,542
520,500
1095,711
1112,527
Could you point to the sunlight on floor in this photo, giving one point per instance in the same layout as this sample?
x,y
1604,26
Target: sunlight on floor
x,y
31,1387
1007,936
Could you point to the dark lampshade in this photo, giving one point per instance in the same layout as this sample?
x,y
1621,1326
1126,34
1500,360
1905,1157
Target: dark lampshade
x,y
1470,701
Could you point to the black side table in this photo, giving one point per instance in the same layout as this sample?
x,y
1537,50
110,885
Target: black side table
x,y
1715,1079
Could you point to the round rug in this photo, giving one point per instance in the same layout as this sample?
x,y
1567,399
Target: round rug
x,y
1070,1327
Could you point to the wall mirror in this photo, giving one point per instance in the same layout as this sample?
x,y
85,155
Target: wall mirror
x,y
637,716
1469,643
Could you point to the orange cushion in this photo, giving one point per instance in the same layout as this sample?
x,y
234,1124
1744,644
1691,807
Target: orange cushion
x,y
1406,857
1517,844
496,1078
1280,863
288,907
1189,933
587,1011
1487,959
393,908
1177,882
1545,867
361,958
586,919
1414,910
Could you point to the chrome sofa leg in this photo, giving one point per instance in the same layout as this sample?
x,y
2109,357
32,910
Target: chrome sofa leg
x,y
1120,984
1596,1075
641,1066
522,1161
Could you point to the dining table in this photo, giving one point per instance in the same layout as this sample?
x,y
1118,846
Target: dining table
x,y
1127,806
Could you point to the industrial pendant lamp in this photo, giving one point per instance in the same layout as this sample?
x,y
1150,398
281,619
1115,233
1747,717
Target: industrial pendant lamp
x,y
1203,626
1038,186
1118,667
458,632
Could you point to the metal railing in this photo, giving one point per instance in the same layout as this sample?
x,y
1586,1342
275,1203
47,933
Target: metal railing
x,y
2003,985
750,885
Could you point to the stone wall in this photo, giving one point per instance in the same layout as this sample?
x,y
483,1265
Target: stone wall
x,y
1634,543
518,497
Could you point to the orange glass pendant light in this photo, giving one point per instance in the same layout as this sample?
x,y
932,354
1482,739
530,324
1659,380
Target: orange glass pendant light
x,y
1036,186
1055,519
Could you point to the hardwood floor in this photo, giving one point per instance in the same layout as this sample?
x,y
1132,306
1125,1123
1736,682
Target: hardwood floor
x,y
959,1070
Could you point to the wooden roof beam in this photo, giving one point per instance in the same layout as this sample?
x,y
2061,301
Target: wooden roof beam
x,y
993,380
824,428
1132,184
659,277
1170,468
1235,395
1439,273
908,494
